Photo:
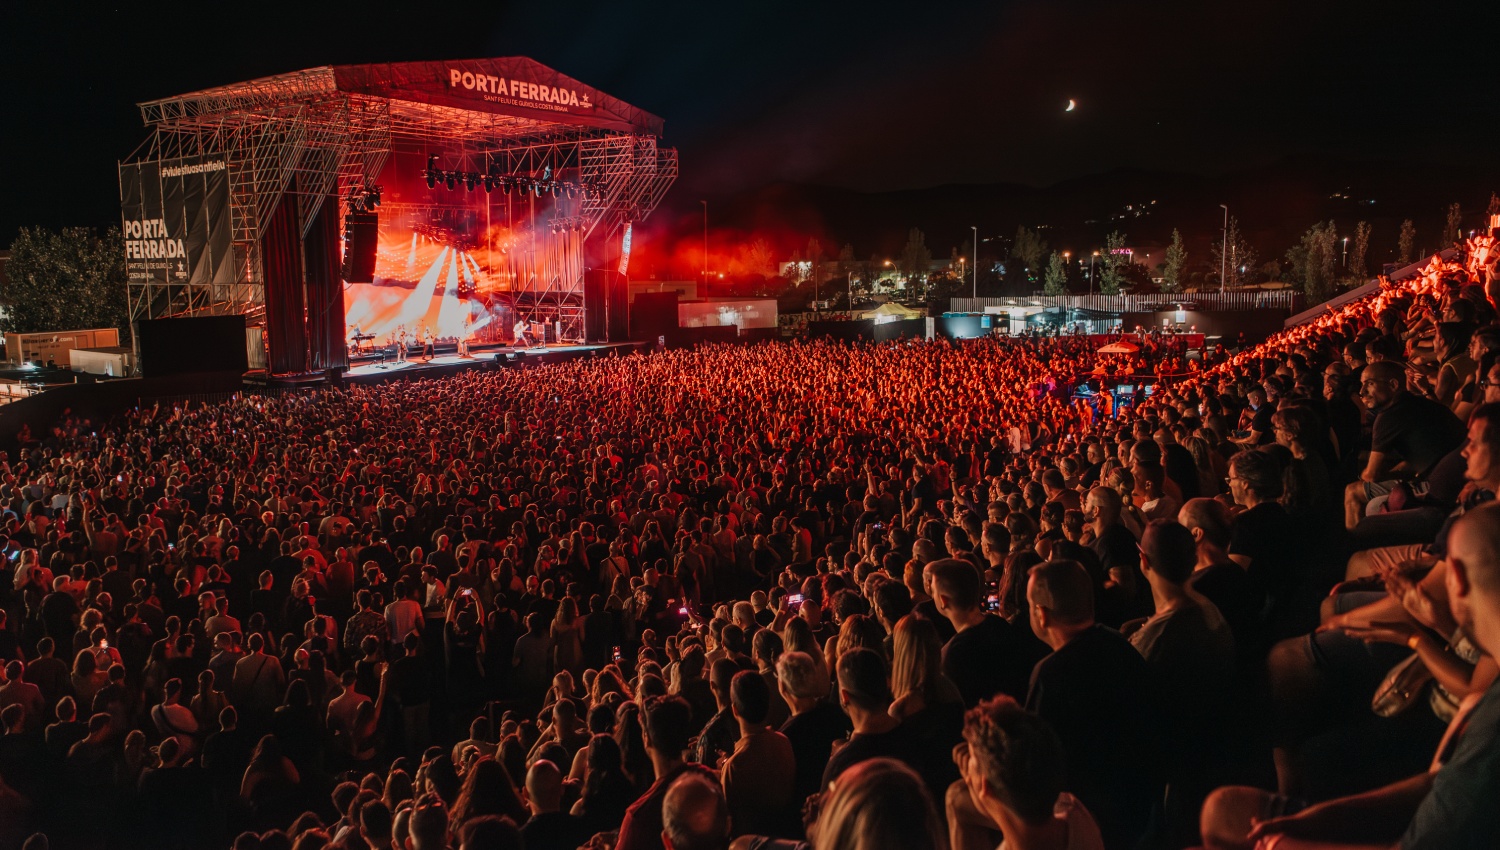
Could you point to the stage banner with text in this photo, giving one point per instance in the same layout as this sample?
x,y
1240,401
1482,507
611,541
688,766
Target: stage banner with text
x,y
175,215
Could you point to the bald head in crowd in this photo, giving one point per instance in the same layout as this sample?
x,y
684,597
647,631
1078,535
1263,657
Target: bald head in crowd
x,y
694,815
544,787
1473,579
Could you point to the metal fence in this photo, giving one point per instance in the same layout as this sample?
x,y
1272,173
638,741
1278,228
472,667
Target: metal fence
x,y
1273,299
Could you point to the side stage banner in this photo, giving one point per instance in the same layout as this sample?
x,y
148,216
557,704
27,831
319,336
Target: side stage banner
x,y
175,215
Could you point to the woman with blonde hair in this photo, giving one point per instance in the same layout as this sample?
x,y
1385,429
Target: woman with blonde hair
x,y
857,630
917,679
878,804
798,637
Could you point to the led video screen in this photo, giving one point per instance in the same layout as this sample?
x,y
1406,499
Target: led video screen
x,y
756,313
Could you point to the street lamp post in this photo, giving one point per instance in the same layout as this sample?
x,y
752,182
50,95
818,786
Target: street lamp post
x,y
1091,271
975,270
1224,249
1346,252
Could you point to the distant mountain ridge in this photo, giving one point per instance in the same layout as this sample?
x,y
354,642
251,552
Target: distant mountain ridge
x,y
1274,204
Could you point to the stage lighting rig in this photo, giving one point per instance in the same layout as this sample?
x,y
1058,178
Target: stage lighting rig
x,y
366,199
570,224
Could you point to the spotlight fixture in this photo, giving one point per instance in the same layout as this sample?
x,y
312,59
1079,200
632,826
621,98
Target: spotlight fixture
x,y
489,184
431,179
572,191
504,186
468,182
432,173
449,179
556,190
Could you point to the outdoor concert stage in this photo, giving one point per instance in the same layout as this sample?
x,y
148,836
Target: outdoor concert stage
x,y
374,371
442,199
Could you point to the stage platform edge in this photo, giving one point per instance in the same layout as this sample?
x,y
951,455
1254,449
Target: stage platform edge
x,y
369,371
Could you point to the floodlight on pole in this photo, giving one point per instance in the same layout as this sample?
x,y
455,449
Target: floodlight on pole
x,y
976,261
1224,249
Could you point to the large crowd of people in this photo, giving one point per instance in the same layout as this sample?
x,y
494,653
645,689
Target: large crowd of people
x,y
847,596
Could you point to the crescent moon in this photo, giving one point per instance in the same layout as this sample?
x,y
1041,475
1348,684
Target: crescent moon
x,y
1071,105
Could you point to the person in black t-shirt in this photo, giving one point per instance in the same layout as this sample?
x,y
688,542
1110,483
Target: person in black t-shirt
x,y
985,657
1263,538
1119,581
1094,690
927,608
866,697
1221,580
1411,435
1261,409
816,723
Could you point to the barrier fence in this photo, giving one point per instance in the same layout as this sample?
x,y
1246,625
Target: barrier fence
x,y
1269,299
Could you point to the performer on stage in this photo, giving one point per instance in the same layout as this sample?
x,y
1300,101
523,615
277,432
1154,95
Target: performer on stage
x,y
427,348
463,341
523,334
401,344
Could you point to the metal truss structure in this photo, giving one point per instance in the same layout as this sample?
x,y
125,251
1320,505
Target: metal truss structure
x,y
313,134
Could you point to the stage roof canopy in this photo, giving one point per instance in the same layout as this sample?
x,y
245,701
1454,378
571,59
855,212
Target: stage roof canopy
x,y
477,100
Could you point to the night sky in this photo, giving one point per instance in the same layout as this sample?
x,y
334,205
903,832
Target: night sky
x,y
868,96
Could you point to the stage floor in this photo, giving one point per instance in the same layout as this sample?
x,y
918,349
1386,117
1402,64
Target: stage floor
x,y
362,370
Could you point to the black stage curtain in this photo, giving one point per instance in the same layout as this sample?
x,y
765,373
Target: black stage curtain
x,y
595,300
619,307
325,291
281,259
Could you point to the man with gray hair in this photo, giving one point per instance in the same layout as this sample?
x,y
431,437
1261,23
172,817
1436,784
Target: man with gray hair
x,y
815,723
743,615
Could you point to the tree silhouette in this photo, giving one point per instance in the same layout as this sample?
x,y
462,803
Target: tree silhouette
x,y
1176,261
1234,253
1057,276
67,280
1029,249
1361,248
1111,279
1453,227
916,259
